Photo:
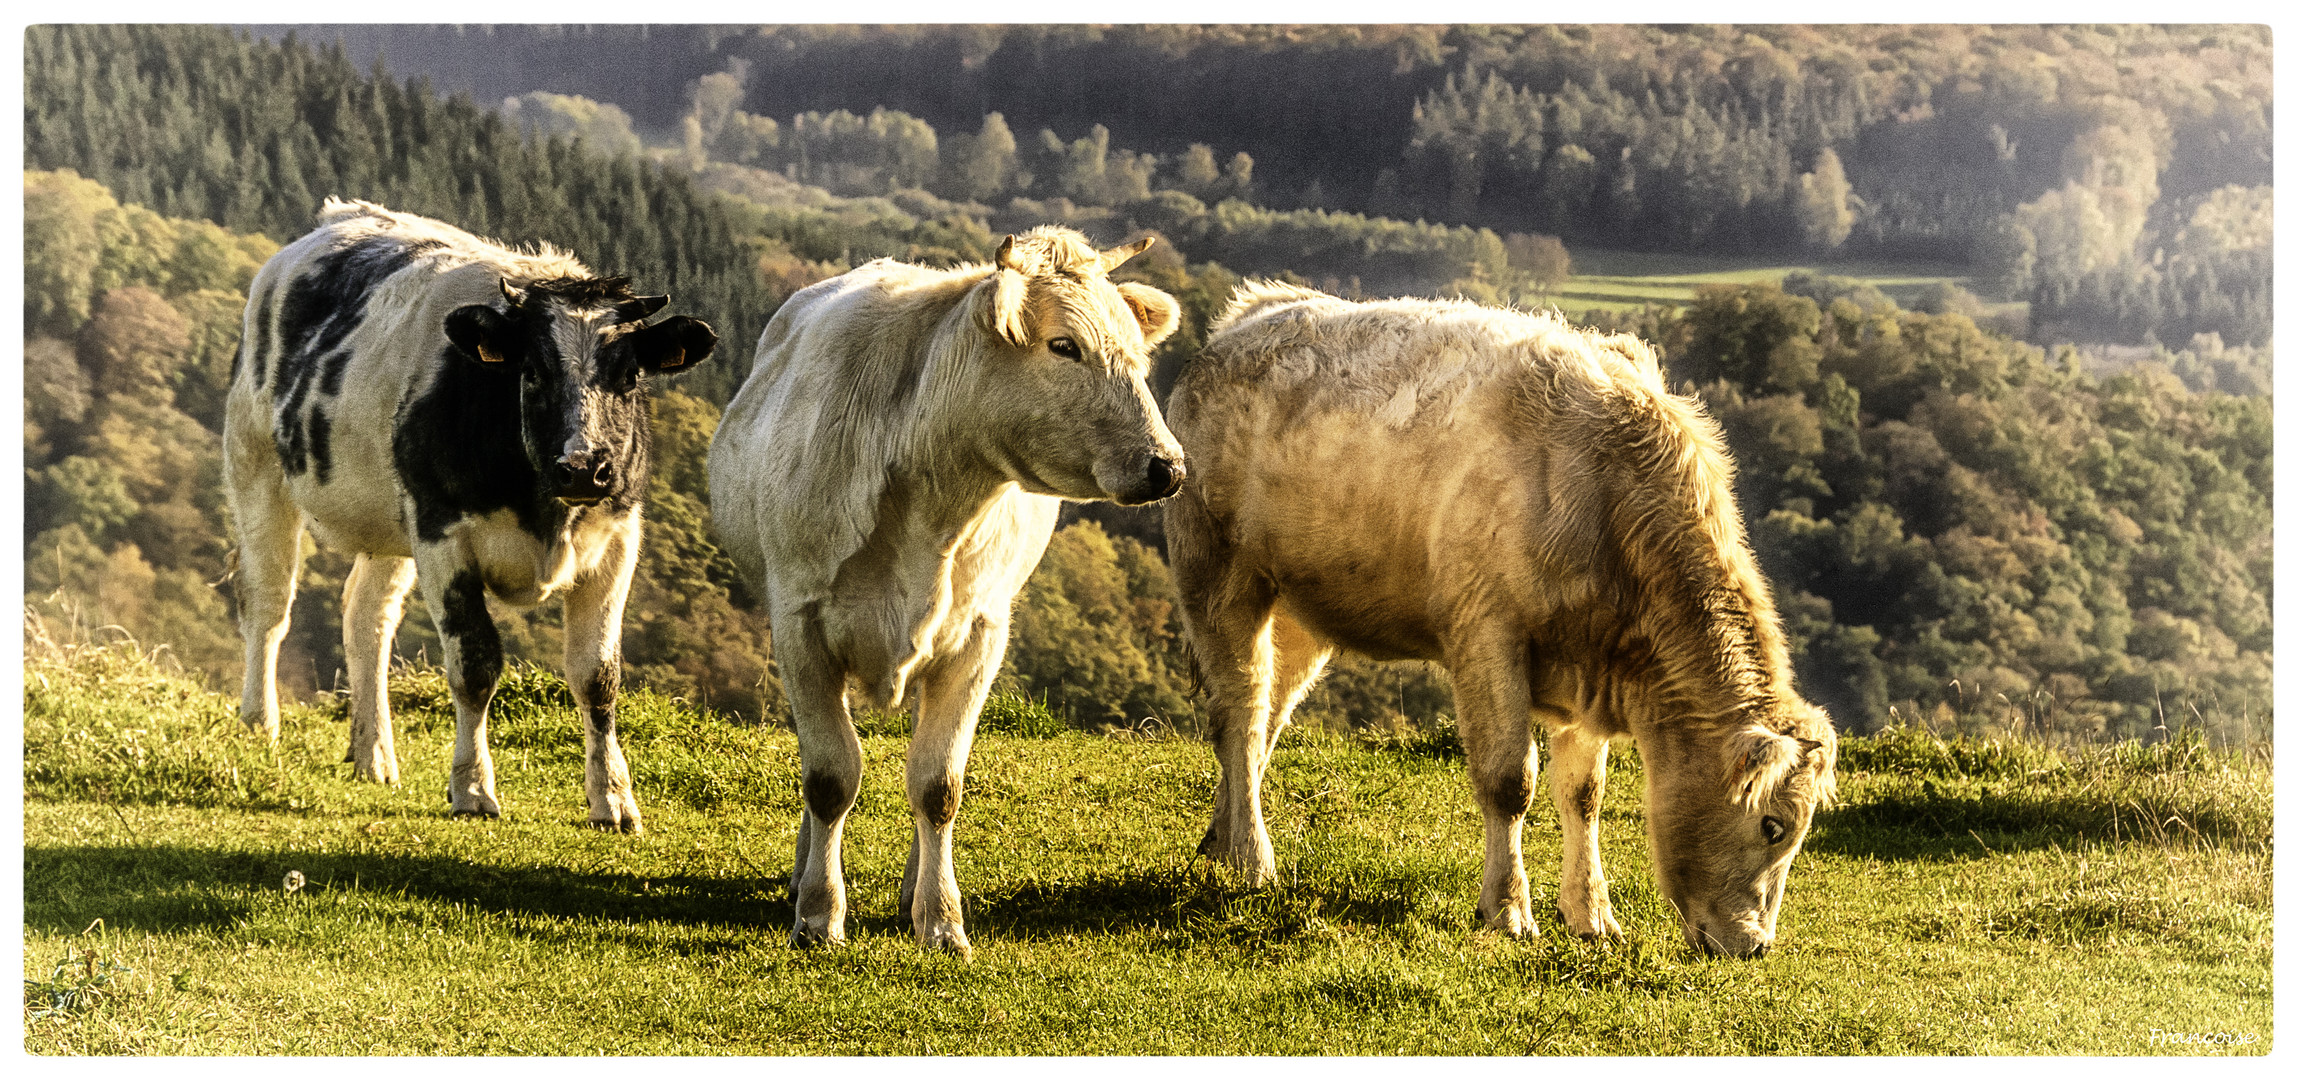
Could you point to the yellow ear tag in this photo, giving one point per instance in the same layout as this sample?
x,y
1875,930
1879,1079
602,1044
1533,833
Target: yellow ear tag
x,y
488,354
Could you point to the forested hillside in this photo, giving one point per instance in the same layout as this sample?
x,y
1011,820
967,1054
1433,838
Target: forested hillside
x,y
2107,174
1957,524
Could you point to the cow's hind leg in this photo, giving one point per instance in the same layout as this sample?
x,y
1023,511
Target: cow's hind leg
x,y
1575,759
1492,687
374,599
948,706
1236,653
1296,658
270,532
1299,659
457,598
829,766
594,673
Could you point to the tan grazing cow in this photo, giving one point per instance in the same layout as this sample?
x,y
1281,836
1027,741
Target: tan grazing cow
x,y
888,478
1526,504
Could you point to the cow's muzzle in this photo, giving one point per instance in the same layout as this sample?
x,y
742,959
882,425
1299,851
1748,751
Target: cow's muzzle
x,y
584,479
1707,943
1159,481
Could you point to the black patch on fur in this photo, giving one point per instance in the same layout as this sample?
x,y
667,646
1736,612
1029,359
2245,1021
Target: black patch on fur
x,y
593,292
259,347
464,620
294,449
459,454
322,306
940,802
331,372
1588,800
322,454
605,686
827,796
1510,795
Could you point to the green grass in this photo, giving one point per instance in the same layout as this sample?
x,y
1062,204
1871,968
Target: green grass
x,y
1964,898
1615,280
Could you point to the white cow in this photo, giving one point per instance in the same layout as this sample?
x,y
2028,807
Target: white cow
x,y
1525,503
888,478
450,410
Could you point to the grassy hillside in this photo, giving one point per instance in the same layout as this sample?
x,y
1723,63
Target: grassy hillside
x,y
1609,280
1964,898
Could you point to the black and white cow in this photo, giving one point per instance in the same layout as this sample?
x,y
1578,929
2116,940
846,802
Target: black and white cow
x,y
459,414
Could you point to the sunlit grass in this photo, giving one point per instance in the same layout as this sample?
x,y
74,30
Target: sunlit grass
x,y
1965,897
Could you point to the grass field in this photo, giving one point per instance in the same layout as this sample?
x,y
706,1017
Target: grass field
x,y
1616,280
1963,898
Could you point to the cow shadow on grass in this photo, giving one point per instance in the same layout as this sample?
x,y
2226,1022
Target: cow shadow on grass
x,y
1193,903
164,888
1948,825
160,888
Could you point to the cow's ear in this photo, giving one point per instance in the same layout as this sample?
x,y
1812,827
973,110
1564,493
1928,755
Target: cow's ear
x,y
640,307
1000,304
1158,315
674,344
479,333
1758,759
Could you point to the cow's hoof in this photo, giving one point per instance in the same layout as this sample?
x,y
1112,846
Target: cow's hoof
x,y
1511,920
1255,865
807,937
1602,928
616,813
946,937
373,773
487,813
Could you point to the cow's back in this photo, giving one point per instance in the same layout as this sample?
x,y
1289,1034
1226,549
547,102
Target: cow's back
x,y
831,396
1386,463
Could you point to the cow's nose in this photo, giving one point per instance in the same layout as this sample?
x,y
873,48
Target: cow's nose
x,y
584,479
1165,475
1759,951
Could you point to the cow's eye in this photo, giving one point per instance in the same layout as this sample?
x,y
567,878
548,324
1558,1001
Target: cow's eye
x,y
1774,830
1065,348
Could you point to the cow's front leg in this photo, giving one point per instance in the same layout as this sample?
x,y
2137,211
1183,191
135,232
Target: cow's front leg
x,y
948,706
1493,691
1575,761
594,673
456,596
374,598
829,768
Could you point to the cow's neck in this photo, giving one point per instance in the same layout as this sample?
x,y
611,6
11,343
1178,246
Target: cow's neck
x,y
1717,646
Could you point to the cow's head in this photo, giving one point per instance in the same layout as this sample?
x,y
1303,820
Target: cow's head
x,y
578,347
1063,388
1729,805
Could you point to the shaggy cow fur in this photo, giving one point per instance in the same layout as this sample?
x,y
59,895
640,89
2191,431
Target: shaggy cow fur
x,y
1525,503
